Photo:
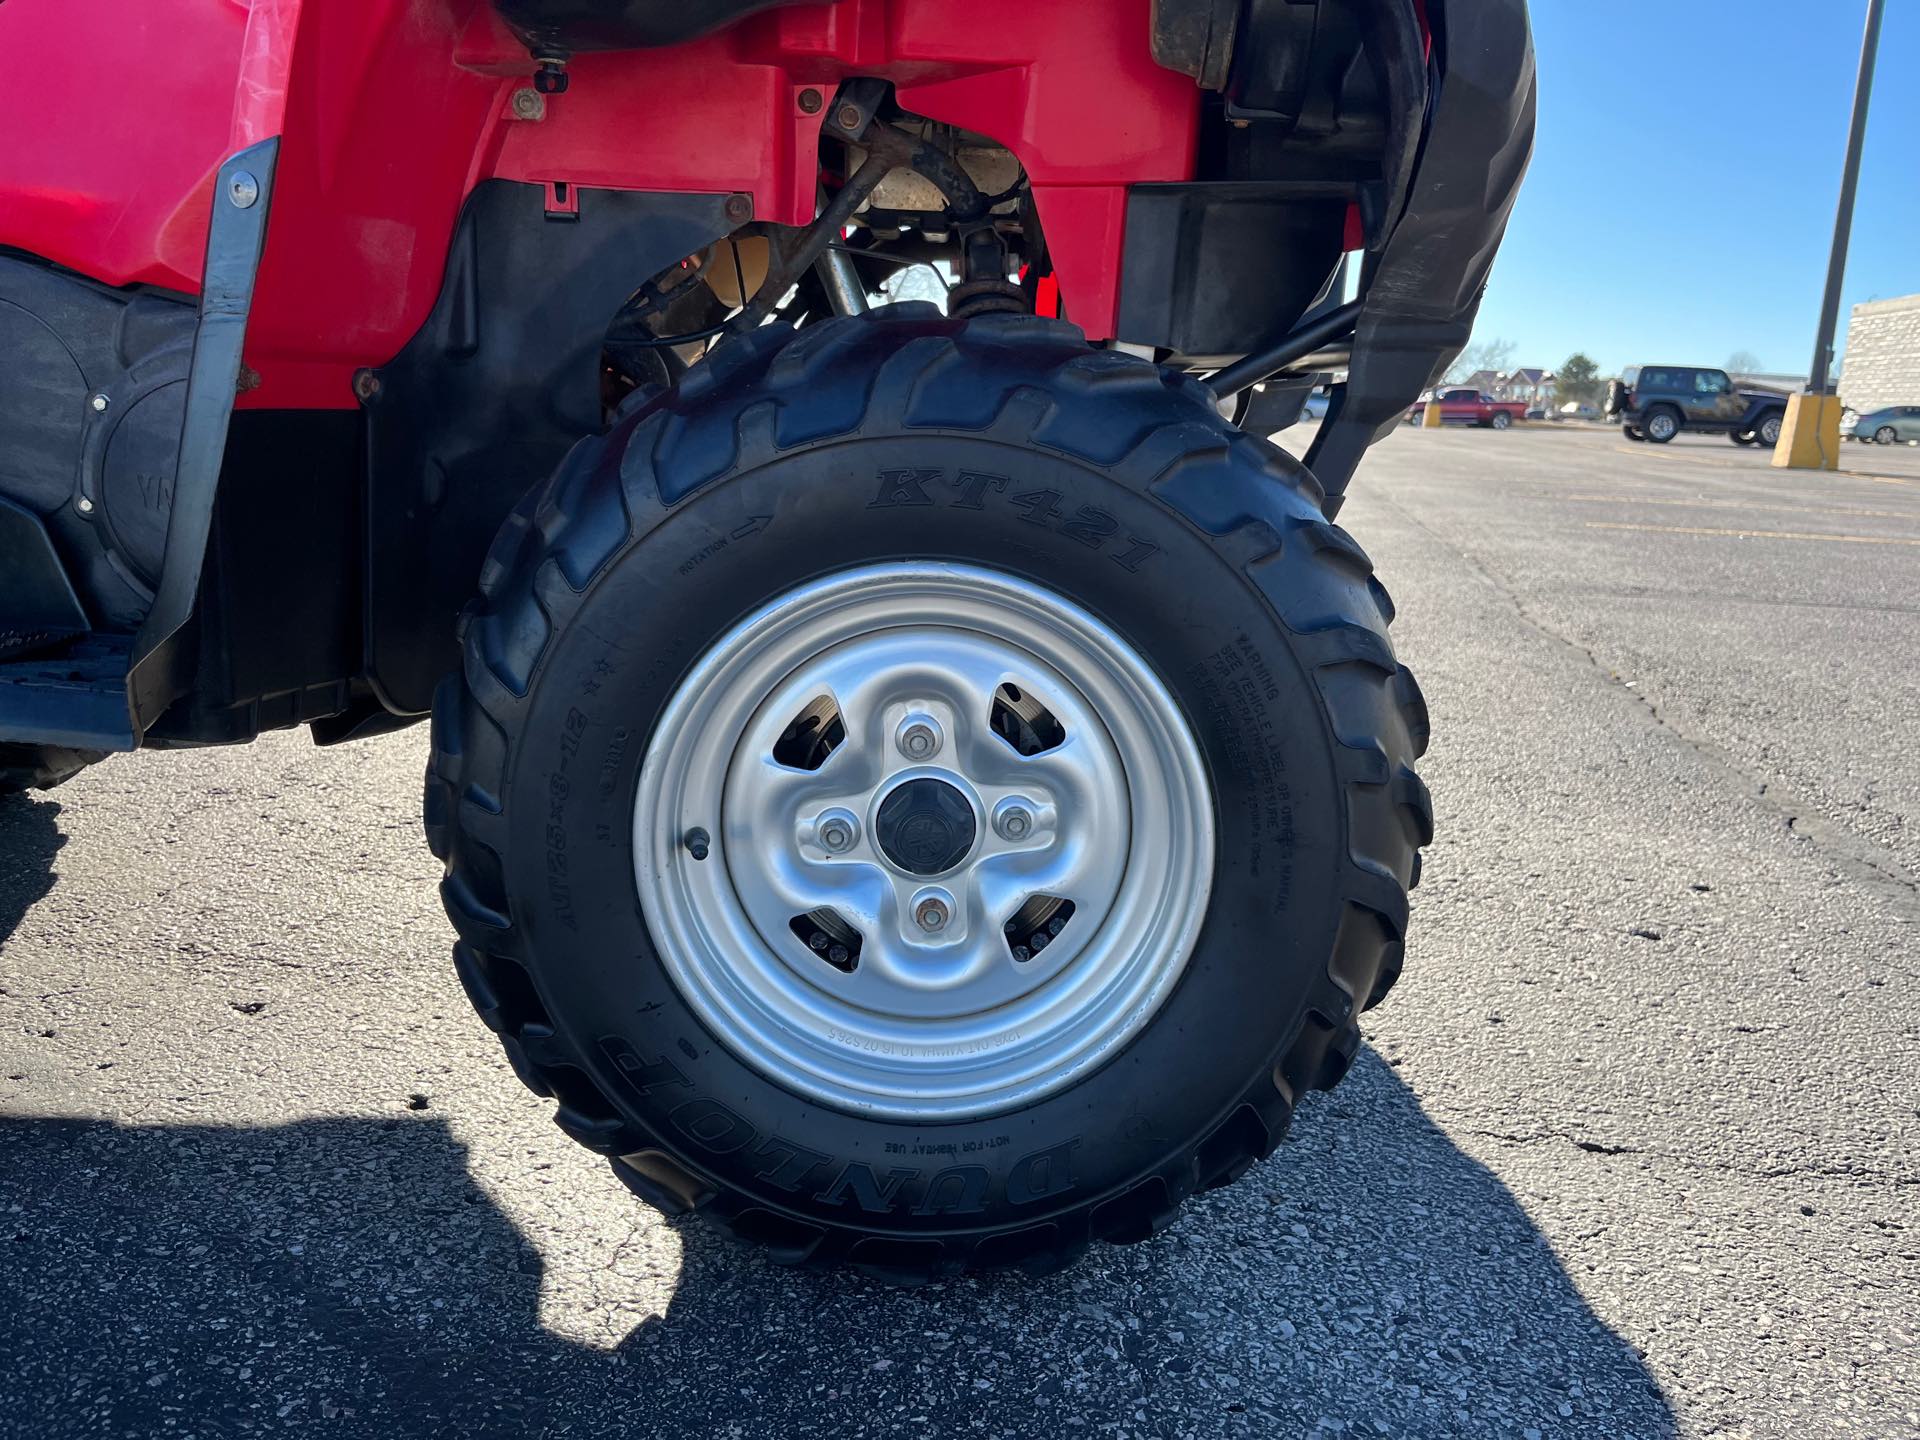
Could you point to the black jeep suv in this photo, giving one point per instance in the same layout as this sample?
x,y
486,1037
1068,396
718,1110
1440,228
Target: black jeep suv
x,y
1657,402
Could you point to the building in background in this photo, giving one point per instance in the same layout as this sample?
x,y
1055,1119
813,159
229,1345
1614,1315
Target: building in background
x,y
1535,386
1529,383
1882,364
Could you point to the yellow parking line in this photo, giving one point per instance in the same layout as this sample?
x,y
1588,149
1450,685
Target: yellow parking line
x,y
1758,534
1702,504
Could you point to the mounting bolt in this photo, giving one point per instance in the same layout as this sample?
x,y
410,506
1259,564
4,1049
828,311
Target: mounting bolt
x,y
932,914
529,104
739,208
697,842
83,505
243,189
366,384
99,402
836,832
848,117
918,738
1012,820
810,101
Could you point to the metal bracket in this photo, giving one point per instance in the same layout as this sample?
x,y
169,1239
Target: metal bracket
x,y
236,234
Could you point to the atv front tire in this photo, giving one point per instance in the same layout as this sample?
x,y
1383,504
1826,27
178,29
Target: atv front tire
x,y
727,789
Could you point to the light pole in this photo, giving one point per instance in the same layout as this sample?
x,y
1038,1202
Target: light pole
x,y
1810,439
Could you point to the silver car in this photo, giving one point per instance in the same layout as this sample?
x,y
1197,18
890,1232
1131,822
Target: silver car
x,y
1884,426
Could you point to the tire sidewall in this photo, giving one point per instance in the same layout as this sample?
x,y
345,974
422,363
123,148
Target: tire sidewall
x,y
1280,822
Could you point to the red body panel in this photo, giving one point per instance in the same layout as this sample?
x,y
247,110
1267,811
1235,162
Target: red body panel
x,y
391,111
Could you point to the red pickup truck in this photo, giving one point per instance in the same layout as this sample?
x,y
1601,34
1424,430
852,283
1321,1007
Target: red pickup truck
x,y
1470,407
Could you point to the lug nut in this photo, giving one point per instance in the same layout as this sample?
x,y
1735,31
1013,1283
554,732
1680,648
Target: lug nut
x,y
919,738
1013,822
836,832
931,915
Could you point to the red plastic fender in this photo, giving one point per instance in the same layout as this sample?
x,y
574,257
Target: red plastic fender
x,y
391,111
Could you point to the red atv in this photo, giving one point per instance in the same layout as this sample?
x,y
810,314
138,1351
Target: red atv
x,y
919,782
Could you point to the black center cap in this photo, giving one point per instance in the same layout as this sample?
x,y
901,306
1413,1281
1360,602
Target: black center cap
x,y
925,827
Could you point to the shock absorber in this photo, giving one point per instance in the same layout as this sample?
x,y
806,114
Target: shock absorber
x,y
984,288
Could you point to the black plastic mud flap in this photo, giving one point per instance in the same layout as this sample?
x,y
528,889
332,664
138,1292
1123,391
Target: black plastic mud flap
x,y
490,393
1422,291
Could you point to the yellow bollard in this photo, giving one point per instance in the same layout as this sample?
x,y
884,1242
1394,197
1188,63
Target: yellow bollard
x,y
1810,434
1430,417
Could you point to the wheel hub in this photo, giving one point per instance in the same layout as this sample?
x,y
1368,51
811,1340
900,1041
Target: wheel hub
x,y
962,840
926,826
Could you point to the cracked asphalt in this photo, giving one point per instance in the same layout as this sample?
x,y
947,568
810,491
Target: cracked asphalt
x,y
1631,1152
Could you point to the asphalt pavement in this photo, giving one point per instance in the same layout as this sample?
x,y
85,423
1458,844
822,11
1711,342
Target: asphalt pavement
x,y
1631,1151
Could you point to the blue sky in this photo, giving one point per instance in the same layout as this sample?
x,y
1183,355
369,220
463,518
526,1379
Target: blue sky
x,y
1680,203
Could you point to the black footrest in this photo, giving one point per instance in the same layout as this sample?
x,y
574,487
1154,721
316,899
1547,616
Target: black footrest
x,y
76,698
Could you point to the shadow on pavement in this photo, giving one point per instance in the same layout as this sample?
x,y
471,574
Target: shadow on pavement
x,y
349,1273
29,839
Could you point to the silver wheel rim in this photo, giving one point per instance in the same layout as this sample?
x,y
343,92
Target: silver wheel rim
x,y
999,994
1660,426
1770,430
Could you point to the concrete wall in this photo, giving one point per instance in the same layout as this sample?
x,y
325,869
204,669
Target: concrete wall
x,y
1882,363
